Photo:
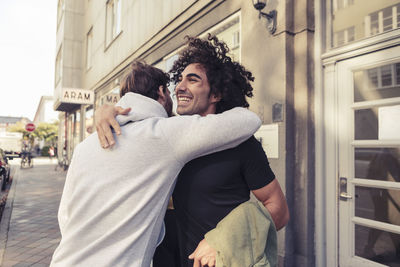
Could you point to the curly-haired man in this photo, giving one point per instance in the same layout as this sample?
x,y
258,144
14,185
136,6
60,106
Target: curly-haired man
x,y
210,187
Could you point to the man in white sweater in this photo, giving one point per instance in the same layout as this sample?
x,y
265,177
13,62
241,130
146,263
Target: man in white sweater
x,y
114,216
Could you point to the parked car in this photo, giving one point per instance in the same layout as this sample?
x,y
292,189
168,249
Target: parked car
x,y
4,170
11,144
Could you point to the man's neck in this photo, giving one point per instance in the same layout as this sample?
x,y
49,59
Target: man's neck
x,y
212,109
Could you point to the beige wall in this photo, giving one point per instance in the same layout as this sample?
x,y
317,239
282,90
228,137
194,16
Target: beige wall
x,y
140,21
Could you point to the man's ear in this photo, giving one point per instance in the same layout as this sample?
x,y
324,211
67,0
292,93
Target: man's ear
x,y
161,94
215,98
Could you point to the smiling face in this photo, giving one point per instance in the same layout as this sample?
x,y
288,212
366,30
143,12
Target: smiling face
x,y
193,92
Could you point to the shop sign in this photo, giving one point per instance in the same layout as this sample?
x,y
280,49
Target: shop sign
x,y
77,96
110,99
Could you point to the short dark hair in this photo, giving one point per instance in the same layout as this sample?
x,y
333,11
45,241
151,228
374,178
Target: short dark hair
x,y
144,79
228,79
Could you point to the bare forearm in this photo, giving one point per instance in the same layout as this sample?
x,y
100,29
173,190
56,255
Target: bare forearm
x,y
274,201
280,215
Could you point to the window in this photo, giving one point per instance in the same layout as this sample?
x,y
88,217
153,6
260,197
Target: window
x,y
229,32
89,41
377,82
88,121
356,20
340,4
383,77
169,62
397,15
344,36
235,39
113,20
383,20
58,72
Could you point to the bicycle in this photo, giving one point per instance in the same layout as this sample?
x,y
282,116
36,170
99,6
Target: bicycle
x,y
26,160
62,163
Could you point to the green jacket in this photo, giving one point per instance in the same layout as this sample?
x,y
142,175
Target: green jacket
x,y
245,237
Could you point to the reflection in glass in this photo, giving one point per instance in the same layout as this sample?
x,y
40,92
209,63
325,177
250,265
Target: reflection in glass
x,y
377,83
366,124
377,164
76,128
354,20
88,121
377,245
378,204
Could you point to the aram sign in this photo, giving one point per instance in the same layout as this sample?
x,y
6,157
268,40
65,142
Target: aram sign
x,y
30,127
77,96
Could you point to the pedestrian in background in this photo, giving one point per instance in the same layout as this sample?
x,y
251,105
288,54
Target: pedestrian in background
x,y
51,153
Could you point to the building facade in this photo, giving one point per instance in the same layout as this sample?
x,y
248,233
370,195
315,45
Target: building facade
x,y
7,121
327,88
45,111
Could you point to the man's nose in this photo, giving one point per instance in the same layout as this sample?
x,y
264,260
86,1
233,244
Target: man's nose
x,y
181,87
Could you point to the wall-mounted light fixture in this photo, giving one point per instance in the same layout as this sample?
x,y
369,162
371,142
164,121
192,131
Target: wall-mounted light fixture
x,y
271,16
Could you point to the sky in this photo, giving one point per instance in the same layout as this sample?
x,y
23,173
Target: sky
x,y
27,54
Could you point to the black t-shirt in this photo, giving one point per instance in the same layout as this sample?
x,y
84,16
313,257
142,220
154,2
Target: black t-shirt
x,y
210,187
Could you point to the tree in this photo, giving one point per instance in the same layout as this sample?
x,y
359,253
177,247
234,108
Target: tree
x,y
47,132
19,127
44,131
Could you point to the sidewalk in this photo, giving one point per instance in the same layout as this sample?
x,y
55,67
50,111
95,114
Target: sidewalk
x,y
29,230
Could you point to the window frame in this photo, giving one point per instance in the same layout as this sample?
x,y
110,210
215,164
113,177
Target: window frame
x,y
113,17
58,68
60,11
89,48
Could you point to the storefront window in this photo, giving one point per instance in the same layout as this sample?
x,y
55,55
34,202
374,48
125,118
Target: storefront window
x,y
354,20
61,136
70,137
77,128
89,121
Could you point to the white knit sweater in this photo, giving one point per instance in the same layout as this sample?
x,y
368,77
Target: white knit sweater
x,y
113,204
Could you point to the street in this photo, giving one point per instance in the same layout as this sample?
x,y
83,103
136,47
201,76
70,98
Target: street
x,y
29,230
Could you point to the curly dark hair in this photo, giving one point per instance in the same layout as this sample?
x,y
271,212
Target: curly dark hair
x,y
228,79
144,79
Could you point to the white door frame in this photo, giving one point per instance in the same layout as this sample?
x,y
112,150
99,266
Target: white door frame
x,y
346,150
326,123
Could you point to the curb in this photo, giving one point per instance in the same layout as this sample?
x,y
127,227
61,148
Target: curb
x,y
5,220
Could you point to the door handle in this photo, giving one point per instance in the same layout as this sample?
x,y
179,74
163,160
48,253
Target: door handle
x,y
345,195
343,189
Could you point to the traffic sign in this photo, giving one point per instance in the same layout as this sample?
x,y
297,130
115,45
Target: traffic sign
x,y
30,127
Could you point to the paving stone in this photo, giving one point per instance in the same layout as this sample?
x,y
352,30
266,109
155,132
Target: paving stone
x,y
22,264
9,263
34,234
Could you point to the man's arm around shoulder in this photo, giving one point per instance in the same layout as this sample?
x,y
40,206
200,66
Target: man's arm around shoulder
x,y
194,136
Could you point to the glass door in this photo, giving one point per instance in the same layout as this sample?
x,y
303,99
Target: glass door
x,y
369,159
